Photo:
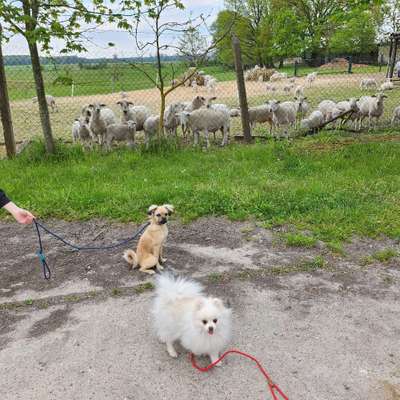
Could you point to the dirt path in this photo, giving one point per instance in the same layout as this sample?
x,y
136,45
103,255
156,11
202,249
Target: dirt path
x,y
323,333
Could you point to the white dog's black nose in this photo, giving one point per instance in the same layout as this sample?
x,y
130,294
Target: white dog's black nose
x,y
210,329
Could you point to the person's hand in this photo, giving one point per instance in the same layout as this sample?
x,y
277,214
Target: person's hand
x,y
22,216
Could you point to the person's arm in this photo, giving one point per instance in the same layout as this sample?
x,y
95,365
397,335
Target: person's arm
x,y
22,216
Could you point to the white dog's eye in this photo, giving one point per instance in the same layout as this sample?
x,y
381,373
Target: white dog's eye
x,y
215,320
204,321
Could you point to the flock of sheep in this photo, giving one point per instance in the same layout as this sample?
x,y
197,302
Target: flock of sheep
x,y
98,124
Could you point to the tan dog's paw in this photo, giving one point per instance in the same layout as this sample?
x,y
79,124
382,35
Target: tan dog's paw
x,y
163,260
148,271
159,267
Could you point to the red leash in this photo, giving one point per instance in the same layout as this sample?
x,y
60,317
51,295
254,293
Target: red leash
x,y
273,387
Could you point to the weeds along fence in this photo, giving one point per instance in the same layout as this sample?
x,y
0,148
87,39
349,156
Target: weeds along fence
x,y
78,84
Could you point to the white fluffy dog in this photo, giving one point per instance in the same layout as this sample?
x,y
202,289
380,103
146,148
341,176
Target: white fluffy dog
x,y
181,312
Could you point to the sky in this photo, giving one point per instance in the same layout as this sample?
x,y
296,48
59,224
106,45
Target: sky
x,y
124,44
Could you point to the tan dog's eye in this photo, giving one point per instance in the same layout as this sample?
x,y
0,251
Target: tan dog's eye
x,y
158,215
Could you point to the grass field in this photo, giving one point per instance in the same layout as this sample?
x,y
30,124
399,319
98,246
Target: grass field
x,y
332,185
120,77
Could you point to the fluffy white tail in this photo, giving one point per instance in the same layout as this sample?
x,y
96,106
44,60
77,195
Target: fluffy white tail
x,y
170,288
130,258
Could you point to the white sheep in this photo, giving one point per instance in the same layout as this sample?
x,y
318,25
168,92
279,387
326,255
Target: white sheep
x,y
292,80
310,78
288,88
299,91
211,85
347,105
259,115
206,120
138,114
50,100
194,86
284,114
278,76
121,132
388,85
302,106
371,107
150,127
81,131
327,107
368,83
396,115
100,118
314,120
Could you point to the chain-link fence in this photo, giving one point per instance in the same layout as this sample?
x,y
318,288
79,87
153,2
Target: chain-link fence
x,y
76,82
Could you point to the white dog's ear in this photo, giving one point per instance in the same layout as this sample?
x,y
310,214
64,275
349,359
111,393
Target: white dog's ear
x,y
218,303
170,208
151,209
199,304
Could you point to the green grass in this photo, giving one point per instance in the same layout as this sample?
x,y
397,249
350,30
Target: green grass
x,y
122,77
299,240
385,255
332,192
112,78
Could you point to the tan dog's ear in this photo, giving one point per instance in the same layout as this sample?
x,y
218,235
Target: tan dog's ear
x,y
170,208
151,209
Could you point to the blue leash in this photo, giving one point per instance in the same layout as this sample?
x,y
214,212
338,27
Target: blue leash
x,y
42,256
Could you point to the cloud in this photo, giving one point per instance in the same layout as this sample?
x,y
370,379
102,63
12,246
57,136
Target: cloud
x,y
98,46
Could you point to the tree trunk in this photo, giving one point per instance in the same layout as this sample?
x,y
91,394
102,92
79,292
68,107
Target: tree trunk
x,y
280,63
5,108
41,96
162,110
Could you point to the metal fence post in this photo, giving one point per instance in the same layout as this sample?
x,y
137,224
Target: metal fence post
x,y
244,110
350,65
5,107
296,66
72,89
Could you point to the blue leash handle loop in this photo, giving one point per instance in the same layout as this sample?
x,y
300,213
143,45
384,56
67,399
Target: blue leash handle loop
x,y
42,257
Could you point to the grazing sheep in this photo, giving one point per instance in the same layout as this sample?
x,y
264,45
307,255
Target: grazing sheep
x,y
138,114
314,120
299,91
347,105
310,78
396,115
50,100
283,113
327,107
371,107
388,85
278,76
121,132
100,118
368,83
206,120
288,88
171,121
259,115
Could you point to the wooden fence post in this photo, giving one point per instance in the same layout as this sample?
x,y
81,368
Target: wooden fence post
x,y
244,111
5,107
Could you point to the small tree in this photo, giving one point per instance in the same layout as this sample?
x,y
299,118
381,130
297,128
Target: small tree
x,y
192,46
154,16
39,21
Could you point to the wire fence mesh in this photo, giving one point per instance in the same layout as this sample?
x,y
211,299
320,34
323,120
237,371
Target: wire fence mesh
x,y
107,81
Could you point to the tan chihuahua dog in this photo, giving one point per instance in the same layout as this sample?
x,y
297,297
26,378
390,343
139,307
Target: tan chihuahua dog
x,y
150,247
